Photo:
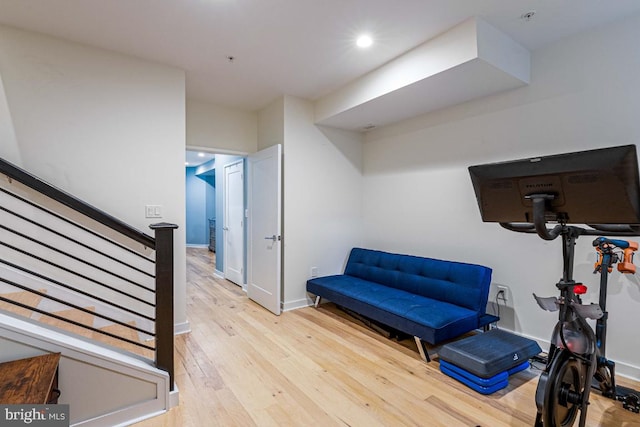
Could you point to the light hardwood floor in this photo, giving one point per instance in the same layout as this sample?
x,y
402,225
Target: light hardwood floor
x,y
243,366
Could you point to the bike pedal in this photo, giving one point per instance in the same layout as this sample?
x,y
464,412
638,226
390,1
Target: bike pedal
x,y
630,402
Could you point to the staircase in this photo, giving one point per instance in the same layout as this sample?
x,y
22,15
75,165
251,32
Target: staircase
x,y
81,322
80,282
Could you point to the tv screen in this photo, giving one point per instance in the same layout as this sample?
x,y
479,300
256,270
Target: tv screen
x,y
586,187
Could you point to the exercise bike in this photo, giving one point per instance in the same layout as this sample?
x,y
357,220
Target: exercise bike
x,y
600,189
577,360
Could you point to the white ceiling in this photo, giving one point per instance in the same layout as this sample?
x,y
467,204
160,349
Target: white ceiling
x,y
303,48
196,158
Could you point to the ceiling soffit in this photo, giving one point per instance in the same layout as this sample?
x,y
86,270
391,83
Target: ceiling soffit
x,y
471,60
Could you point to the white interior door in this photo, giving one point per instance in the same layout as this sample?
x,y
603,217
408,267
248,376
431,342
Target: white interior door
x,y
233,227
264,228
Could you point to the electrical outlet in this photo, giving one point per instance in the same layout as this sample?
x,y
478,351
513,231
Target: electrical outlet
x,y
502,294
314,272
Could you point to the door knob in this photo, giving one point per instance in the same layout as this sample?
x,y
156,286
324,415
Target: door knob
x,y
271,238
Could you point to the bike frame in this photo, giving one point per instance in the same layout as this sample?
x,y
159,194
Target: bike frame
x,y
568,314
592,361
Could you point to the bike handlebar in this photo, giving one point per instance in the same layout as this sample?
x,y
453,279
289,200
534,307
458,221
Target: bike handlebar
x,y
622,244
595,230
539,223
605,247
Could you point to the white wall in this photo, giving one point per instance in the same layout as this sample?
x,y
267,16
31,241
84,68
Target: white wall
x,y
224,129
271,124
418,197
322,198
9,149
108,128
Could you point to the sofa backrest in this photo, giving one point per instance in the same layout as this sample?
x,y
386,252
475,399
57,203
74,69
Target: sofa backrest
x,y
465,285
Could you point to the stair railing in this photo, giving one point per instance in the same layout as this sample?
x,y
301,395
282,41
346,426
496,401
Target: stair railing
x,y
126,280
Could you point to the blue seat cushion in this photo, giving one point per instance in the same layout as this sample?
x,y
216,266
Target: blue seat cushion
x,y
462,284
429,319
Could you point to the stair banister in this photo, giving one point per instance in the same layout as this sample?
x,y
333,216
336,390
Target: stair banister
x,y
162,244
32,181
164,297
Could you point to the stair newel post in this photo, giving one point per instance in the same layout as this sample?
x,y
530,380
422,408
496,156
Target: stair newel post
x,y
164,297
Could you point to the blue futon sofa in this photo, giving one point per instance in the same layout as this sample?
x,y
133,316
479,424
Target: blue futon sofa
x,y
430,299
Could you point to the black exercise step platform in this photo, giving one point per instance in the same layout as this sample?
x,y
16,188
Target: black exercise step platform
x,y
488,355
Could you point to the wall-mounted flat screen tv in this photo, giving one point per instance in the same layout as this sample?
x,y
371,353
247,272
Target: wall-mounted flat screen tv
x,y
586,187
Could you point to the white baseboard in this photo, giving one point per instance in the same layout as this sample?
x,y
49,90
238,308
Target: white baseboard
x,y
174,396
193,245
181,328
293,305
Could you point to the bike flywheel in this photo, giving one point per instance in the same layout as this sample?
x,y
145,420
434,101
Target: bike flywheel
x,y
563,386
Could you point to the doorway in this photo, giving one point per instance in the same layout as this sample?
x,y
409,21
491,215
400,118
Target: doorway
x,y
205,208
257,224
200,198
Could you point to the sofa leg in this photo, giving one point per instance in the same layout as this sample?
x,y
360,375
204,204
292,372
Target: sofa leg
x,y
317,302
422,349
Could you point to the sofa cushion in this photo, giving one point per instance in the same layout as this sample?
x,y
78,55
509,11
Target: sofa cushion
x,y
429,319
462,284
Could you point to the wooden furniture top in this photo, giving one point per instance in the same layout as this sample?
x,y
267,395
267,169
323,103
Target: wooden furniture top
x,y
28,381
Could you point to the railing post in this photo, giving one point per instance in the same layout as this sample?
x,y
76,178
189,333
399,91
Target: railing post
x,y
164,297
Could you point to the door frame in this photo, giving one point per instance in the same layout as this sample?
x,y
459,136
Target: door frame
x,y
245,156
225,152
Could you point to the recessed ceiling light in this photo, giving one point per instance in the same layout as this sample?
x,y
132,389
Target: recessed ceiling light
x,y
364,41
200,154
